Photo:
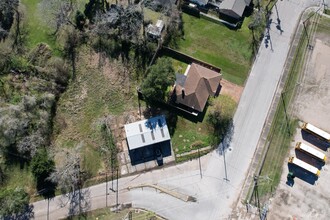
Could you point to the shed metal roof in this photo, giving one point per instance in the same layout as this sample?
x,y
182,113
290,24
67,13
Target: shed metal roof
x,y
147,132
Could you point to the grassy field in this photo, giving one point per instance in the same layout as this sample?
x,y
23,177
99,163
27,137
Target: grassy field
x,y
38,31
218,45
92,96
283,125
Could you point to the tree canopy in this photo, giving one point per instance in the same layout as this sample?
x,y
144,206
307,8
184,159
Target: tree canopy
x,y
160,76
42,166
13,202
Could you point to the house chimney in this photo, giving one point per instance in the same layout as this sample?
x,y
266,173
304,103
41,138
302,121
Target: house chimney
x,y
183,94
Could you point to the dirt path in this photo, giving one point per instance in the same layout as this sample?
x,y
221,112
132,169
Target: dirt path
x,y
231,89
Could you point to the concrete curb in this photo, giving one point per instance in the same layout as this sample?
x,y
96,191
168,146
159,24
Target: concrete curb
x,y
175,194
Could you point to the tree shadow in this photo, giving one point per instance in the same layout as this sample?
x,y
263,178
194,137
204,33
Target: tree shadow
x,y
302,174
79,202
323,145
13,157
225,140
46,188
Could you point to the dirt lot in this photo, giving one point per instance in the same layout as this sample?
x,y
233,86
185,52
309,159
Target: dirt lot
x,y
309,197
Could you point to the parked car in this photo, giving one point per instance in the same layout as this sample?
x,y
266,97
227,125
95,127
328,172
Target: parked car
x,y
159,157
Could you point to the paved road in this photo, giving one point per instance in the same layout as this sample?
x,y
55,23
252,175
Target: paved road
x,y
215,196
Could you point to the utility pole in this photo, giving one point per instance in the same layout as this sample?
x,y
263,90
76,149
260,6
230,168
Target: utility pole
x,y
199,160
224,161
106,189
259,180
306,32
286,115
117,193
308,45
256,194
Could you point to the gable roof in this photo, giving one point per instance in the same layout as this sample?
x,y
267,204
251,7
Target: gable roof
x,y
146,132
237,6
199,84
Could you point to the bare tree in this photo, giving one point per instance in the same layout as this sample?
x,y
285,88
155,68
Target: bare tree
x,y
69,179
57,13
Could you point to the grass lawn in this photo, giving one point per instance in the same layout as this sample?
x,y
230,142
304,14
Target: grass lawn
x,y
38,31
187,133
191,136
152,15
179,67
218,45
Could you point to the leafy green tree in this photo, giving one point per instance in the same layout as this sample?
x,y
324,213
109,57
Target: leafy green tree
x,y
42,166
220,116
160,76
13,202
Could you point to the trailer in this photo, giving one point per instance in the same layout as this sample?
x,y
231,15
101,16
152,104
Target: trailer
x,y
316,131
304,165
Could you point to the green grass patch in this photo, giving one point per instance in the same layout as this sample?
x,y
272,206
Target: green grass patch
x,y
152,15
179,67
38,31
190,136
90,155
187,133
218,45
324,25
19,177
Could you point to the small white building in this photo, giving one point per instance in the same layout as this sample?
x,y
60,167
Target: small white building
x,y
146,137
155,31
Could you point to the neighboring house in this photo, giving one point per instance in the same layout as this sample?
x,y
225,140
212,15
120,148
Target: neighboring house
x,y
147,137
194,87
200,3
155,31
233,8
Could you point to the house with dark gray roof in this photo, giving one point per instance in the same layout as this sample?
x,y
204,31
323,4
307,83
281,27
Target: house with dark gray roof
x,y
233,8
194,87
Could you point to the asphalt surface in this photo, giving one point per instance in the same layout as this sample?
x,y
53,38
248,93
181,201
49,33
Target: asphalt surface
x,y
216,196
